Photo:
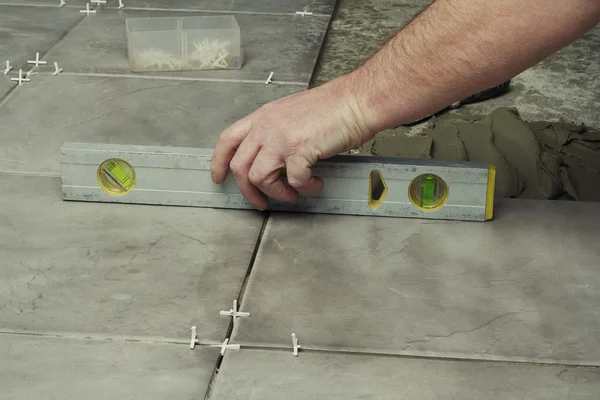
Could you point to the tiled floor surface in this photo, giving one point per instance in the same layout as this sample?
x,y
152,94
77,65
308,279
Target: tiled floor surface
x,y
97,300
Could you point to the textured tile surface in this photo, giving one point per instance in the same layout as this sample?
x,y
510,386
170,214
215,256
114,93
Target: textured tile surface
x,y
256,6
49,369
277,375
117,270
521,287
27,30
287,45
119,110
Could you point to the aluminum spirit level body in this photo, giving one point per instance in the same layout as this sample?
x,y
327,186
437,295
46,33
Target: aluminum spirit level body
x,y
354,185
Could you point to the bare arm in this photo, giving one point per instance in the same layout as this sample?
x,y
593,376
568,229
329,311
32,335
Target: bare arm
x,y
451,50
458,47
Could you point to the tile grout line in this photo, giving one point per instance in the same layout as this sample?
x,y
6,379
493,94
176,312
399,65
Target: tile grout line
x,y
103,337
25,173
418,357
208,344
69,6
240,297
281,14
177,78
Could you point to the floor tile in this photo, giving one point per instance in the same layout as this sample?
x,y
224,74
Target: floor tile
x,y
287,45
119,110
27,30
521,287
49,369
103,269
256,6
274,375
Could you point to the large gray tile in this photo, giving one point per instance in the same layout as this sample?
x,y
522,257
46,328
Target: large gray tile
x,y
274,375
119,110
27,30
521,287
287,45
50,369
255,6
117,270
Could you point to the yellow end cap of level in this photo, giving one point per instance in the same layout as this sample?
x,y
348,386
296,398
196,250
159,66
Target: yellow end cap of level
x,y
489,203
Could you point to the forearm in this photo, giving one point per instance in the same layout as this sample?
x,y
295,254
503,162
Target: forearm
x,y
458,47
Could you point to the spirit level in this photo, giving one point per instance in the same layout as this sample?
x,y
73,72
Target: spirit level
x,y
354,185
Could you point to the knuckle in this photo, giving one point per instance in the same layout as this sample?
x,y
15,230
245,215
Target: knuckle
x,y
295,181
226,134
255,177
235,167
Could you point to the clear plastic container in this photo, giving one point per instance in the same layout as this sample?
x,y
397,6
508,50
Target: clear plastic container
x,y
184,43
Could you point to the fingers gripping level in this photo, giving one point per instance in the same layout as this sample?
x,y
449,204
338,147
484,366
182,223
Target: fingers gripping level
x,y
354,185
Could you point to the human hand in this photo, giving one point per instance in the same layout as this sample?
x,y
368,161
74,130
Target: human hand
x,y
295,131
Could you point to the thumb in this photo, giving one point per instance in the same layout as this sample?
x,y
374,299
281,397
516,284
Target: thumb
x,y
299,174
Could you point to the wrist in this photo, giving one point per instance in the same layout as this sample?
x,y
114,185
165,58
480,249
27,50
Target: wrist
x,y
346,90
379,98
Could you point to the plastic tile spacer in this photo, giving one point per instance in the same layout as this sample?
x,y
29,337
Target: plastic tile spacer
x,y
56,69
87,10
62,3
304,13
295,345
98,2
121,5
234,313
8,68
225,346
20,79
37,61
194,338
269,79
